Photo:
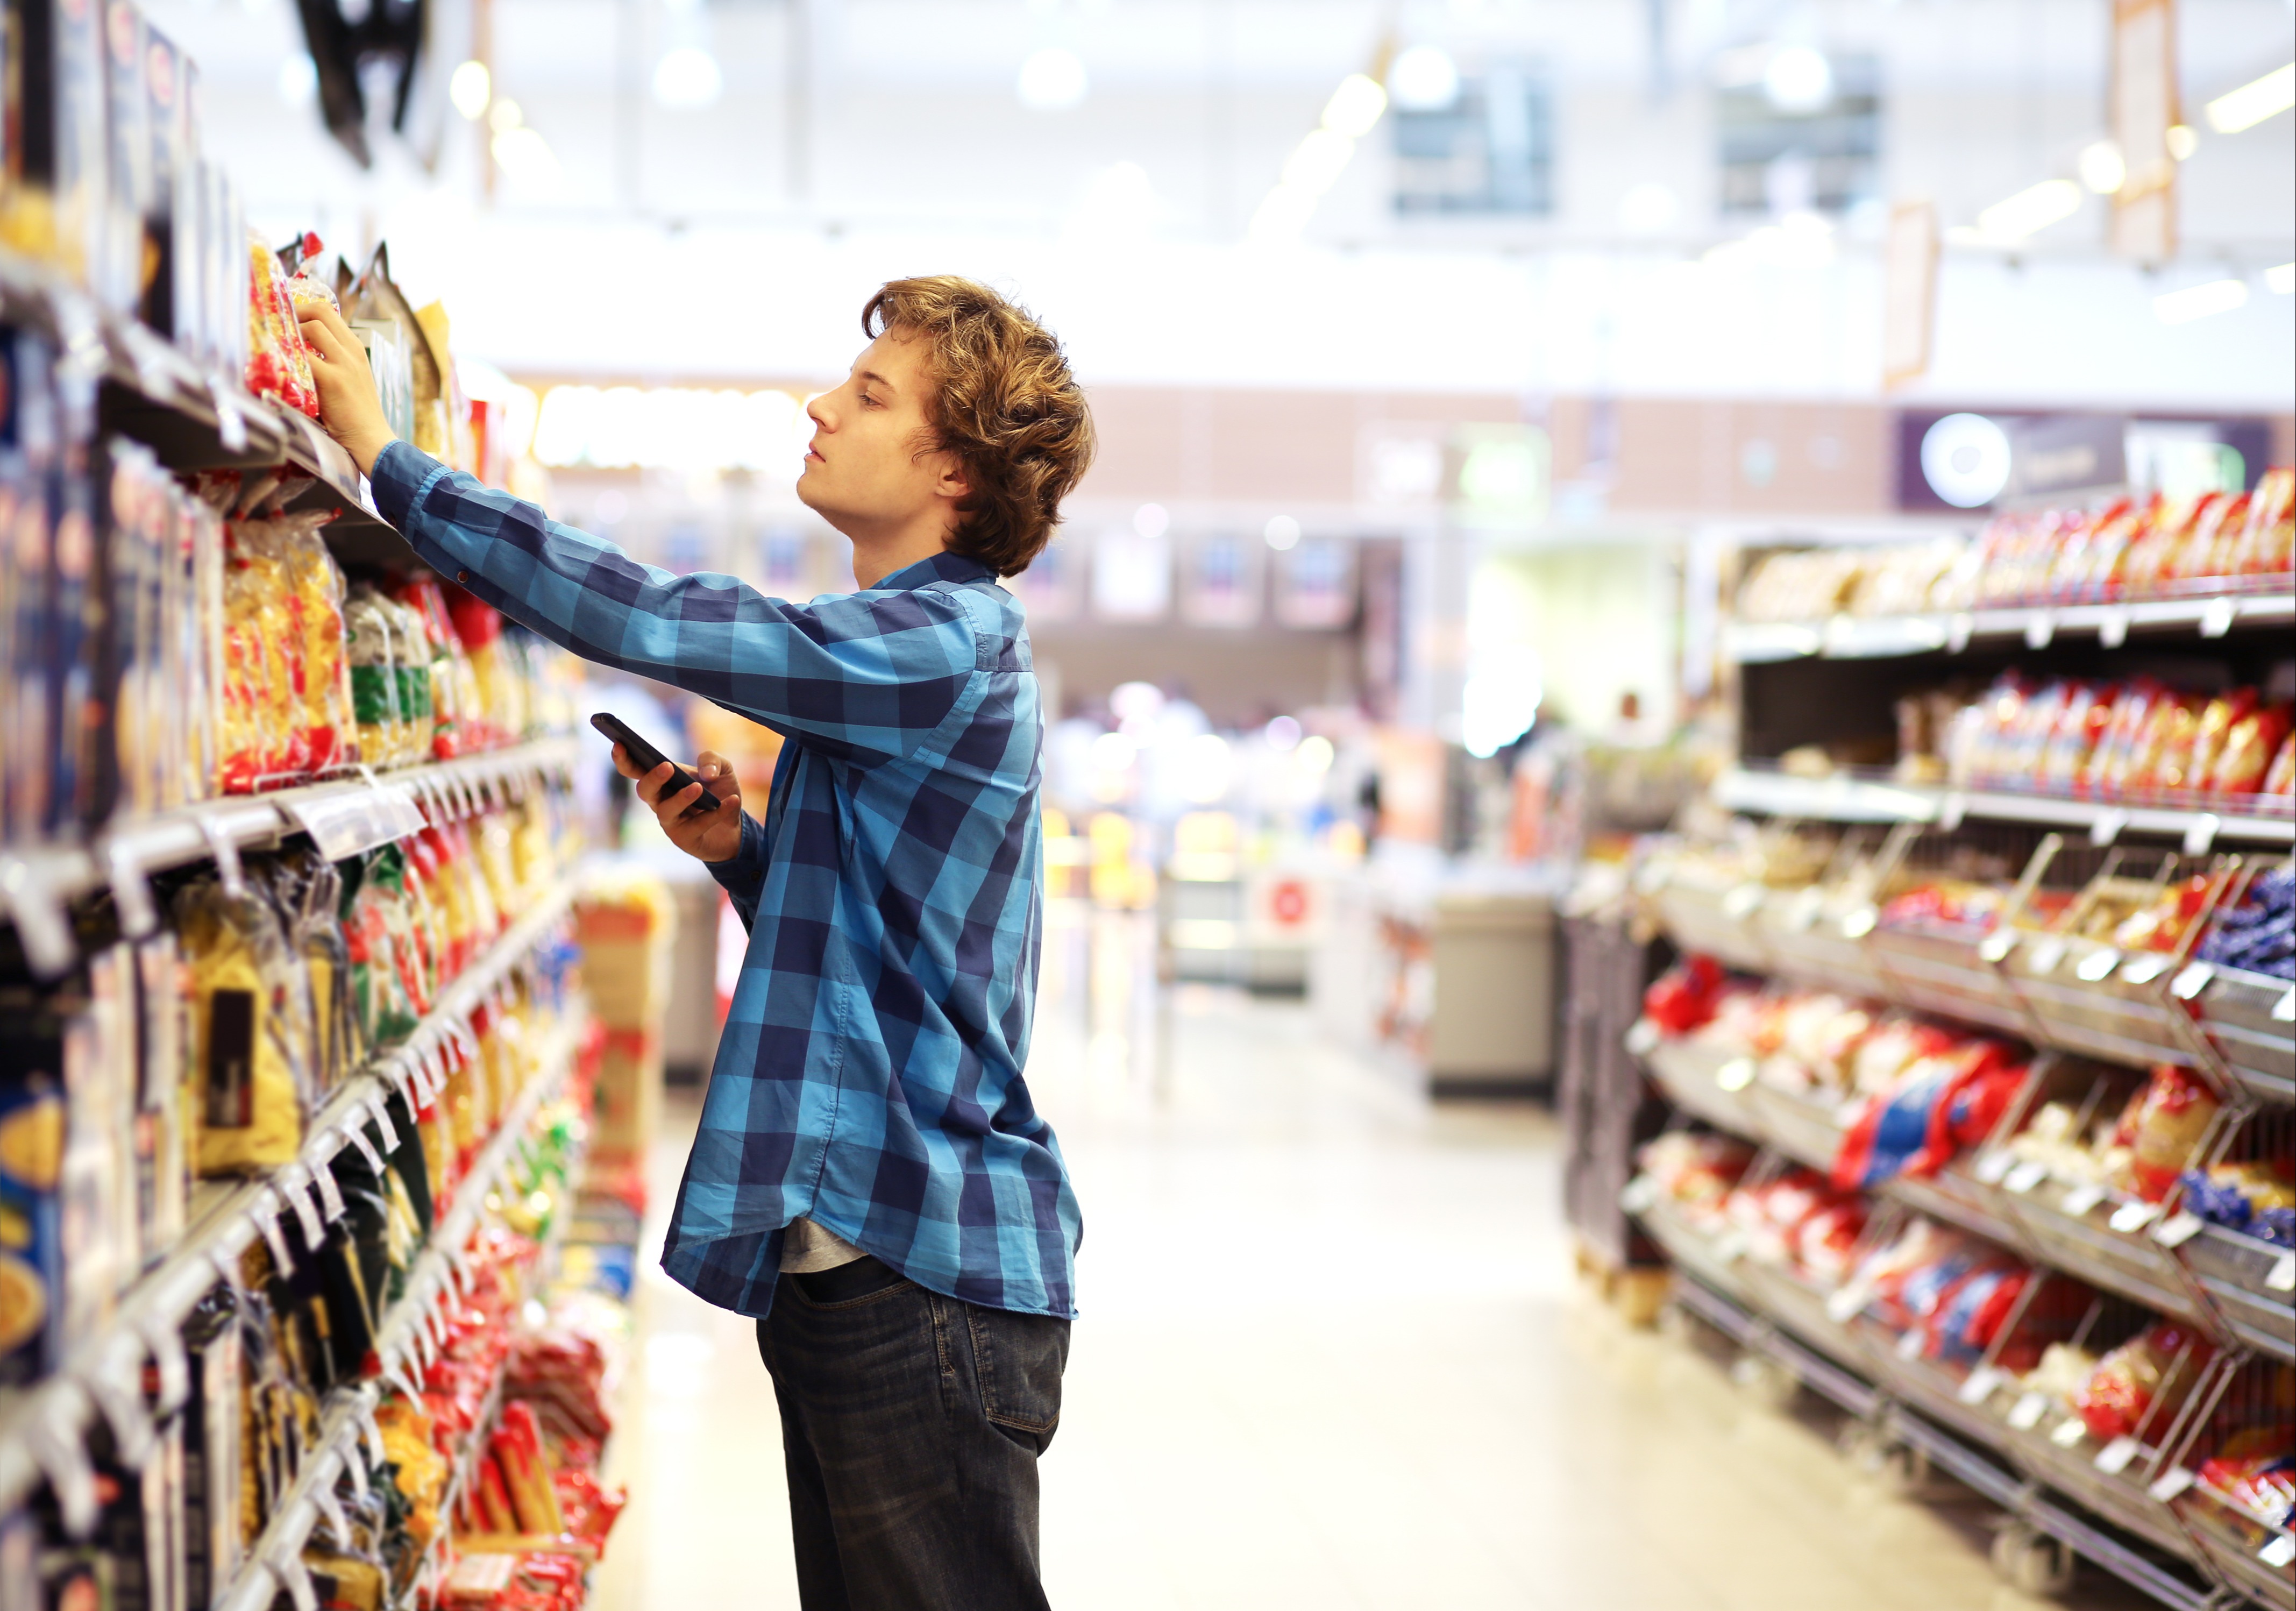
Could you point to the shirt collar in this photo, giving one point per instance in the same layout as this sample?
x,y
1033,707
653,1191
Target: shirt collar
x,y
944,567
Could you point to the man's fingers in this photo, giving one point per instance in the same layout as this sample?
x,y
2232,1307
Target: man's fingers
x,y
650,784
624,764
682,801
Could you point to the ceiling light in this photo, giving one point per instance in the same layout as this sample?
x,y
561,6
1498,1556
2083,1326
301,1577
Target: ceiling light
x,y
505,116
1965,459
1053,80
1283,533
1318,162
2252,104
2029,211
1355,106
1423,79
299,80
2182,141
1797,80
687,76
2103,168
2281,278
2200,302
469,88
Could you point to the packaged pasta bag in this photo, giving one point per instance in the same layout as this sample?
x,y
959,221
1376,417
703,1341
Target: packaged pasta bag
x,y
454,689
486,917
498,669
264,745
2081,726
310,588
308,891
2240,766
2163,1127
371,664
490,846
2140,1384
2280,778
2267,546
2211,548
380,1001
278,359
2152,550
426,921
2163,749
2107,771
429,854
417,688
2187,770
245,1092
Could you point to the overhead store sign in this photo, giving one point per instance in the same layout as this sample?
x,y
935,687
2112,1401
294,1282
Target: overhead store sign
x,y
1500,475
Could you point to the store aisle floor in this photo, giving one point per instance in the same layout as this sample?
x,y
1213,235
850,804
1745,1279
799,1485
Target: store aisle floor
x,y
1331,1356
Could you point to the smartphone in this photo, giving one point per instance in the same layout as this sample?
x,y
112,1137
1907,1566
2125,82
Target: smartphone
x,y
648,758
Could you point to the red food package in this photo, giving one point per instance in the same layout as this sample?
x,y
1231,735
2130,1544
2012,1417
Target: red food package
x,y
1683,997
2165,1126
2212,546
2154,1371
2268,542
2281,778
2165,746
2209,738
2240,765
2081,724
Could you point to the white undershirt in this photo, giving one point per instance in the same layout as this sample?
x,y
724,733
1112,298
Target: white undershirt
x,y
806,1249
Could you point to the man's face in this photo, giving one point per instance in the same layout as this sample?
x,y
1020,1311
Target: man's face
x,y
865,473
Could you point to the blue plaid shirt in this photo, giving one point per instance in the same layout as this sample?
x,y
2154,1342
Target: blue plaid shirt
x,y
869,1077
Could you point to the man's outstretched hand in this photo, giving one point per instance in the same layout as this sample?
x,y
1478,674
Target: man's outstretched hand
x,y
348,407
705,835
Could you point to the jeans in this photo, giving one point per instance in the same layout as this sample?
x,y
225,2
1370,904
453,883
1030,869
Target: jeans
x,y
911,1425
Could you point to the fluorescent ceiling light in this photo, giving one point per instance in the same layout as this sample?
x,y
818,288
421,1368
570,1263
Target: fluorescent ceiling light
x,y
2182,141
1798,79
469,88
2200,302
2103,168
1355,106
2029,211
2252,104
1423,79
687,76
2281,277
1054,79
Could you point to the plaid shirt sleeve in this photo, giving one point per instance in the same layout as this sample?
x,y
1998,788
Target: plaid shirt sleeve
x,y
864,676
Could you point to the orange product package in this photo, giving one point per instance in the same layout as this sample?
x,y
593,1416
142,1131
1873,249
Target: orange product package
x,y
2242,762
2107,771
2212,544
2165,748
2081,724
2209,736
278,359
2139,1387
2281,778
2163,1127
2267,545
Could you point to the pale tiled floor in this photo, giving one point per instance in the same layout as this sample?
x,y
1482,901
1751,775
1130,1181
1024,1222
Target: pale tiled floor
x,y
1331,1357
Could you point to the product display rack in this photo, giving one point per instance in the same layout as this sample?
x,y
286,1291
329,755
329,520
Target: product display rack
x,y
2082,1004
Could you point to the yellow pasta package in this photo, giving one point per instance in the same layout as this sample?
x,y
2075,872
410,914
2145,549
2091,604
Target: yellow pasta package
x,y
246,1097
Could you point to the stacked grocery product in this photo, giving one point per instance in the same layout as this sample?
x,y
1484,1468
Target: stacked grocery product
x,y
2130,550
2138,741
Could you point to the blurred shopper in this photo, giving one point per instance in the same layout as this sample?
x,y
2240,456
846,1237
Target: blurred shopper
x,y
871,1179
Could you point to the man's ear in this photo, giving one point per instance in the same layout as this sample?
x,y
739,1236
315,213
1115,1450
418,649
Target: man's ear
x,y
952,482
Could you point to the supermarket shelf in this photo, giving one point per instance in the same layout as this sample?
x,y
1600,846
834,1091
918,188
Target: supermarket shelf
x,y
404,1339
1856,800
1842,1384
41,1434
37,884
1881,637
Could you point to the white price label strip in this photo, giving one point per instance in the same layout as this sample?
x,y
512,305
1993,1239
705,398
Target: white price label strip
x,y
2280,1552
2026,1413
1980,1386
1994,1165
2130,1218
380,1109
1642,1039
355,1468
1736,1074
2282,1276
266,1215
1909,1345
297,1186
2176,1230
2079,1199
1639,1195
331,1192
330,1510
2069,1434
2025,1177
2169,1483
2113,1458
356,1131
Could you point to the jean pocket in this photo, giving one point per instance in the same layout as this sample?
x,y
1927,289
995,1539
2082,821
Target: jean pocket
x,y
1018,1360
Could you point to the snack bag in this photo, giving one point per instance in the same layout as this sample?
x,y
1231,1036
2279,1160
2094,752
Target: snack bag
x,y
2164,749
279,360
2267,546
370,657
247,1096
2163,1126
2208,739
2242,762
381,1000
2141,1383
2281,778
265,744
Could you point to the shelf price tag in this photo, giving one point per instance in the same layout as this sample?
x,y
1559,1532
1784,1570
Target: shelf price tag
x,y
1991,1165
1842,1303
2282,1276
2143,970
343,822
1980,1386
2280,1552
2217,617
2026,1413
1639,1195
264,1212
2284,1011
2097,966
1909,1345
2130,1218
2070,1434
2192,982
2107,825
2043,955
356,1131
2113,1458
2040,629
2025,1177
1958,631
2176,1230
2078,1200
1642,1039
2169,1483
2202,833
1730,1246
380,1109
330,1509
295,1185
331,1192
1736,1074
2113,628
1744,901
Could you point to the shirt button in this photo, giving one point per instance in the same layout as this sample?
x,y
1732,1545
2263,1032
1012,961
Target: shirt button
x,y
462,576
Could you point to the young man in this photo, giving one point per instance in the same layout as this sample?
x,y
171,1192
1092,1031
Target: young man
x,y
871,1179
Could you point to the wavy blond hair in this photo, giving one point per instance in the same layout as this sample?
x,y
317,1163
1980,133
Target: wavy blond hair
x,y
1003,403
